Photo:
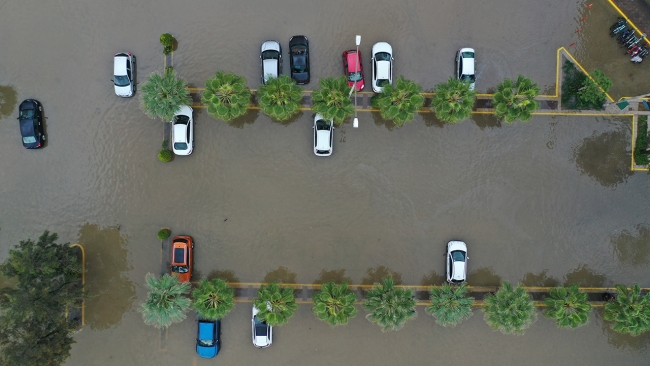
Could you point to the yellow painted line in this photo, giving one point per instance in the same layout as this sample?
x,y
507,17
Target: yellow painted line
x,y
626,18
477,303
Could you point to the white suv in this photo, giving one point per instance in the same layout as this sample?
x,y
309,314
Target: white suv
x,y
183,131
456,262
465,66
382,65
271,60
124,74
323,136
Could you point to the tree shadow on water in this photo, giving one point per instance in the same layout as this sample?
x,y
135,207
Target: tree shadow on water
x,y
631,249
584,277
281,275
335,275
638,344
7,100
432,279
247,119
605,157
483,277
540,279
376,275
430,120
111,291
227,275
484,121
379,121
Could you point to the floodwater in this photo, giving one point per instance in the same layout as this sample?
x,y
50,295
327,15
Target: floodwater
x,y
547,202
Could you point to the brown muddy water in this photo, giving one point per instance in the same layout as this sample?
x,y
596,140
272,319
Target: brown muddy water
x,y
546,202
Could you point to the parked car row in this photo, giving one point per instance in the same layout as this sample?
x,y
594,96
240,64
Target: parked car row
x,y
208,336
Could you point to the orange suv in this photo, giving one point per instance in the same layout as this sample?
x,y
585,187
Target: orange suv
x,y
182,257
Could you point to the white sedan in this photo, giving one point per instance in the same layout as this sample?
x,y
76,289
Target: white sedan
x,y
262,332
382,65
124,74
465,66
271,60
323,136
456,262
183,131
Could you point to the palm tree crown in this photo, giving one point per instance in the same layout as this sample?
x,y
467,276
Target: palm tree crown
x,y
399,102
568,306
334,303
630,311
280,98
226,96
275,304
389,307
166,302
332,100
162,94
450,304
213,299
516,100
453,101
509,310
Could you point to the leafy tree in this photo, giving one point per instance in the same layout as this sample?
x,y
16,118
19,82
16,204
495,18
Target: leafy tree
x,y
453,101
334,303
516,100
509,310
399,102
568,306
165,155
166,302
167,40
162,94
332,100
593,93
280,98
389,307
213,299
630,311
226,96
450,304
34,327
164,234
276,304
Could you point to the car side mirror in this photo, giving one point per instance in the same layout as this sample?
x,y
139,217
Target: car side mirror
x,y
112,80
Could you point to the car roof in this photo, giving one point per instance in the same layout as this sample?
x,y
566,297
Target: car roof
x,y
27,127
119,65
383,70
206,328
459,271
270,46
468,66
323,139
180,132
382,47
351,57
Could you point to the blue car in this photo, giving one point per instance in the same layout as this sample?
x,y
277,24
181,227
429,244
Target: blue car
x,y
207,338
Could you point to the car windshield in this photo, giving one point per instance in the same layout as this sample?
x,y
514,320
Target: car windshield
x,y
180,269
382,56
354,76
381,81
458,256
469,78
270,55
468,54
206,343
322,125
121,80
27,114
29,139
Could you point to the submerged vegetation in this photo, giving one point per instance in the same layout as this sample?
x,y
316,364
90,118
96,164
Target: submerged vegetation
x,y
581,92
641,143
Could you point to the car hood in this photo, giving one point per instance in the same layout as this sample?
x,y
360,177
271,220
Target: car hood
x,y
270,45
206,352
382,47
261,341
123,91
456,245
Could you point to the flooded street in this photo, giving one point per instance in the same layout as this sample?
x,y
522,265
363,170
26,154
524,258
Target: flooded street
x,y
546,202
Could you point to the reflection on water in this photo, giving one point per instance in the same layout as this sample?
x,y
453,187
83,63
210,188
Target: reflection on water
x,y
379,121
376,275
585,277
7,101
627,342
483,277
111,292
247,119
335,275
281,275
484,121
540,279
605,157
633,249
432,279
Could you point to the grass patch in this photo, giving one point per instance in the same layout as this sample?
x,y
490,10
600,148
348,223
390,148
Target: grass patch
x,y
641,144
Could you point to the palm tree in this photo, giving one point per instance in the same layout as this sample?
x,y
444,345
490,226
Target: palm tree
x,y
332,100
162,94
166,303
389,307
276,304
226,96
280,98
516,100
213,299
334,303
568,306
399,102
450,304
630,311
453,101
509,310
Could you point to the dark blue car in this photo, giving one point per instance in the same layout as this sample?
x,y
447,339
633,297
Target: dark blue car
x,y
207,338
30,119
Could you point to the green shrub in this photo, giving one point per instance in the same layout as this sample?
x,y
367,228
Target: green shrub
x,y
165,156
641,144
167,40
581,92
164,233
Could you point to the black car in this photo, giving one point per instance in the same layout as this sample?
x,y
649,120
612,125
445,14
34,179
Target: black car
x,y
30,119
299,59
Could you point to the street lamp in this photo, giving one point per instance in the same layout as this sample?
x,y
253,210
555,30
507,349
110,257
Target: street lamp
x,y
355,122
